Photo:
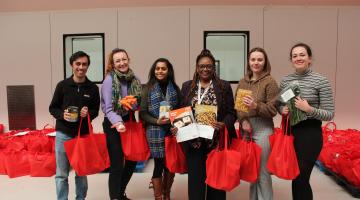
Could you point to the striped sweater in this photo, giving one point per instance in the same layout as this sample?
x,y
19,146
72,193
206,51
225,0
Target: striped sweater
x,y
316,89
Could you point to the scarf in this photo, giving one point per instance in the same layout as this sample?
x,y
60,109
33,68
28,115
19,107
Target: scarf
x,y
134,88
154,99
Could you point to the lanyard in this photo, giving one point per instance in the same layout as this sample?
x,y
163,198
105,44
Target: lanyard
x,y
200,98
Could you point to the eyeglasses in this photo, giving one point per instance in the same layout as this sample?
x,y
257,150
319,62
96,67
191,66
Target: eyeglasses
x,y
207,66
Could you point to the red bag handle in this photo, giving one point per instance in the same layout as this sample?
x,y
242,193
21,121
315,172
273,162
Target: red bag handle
x,y
89,126
285,125
251,136
238,135
48,126
327,126
225,140
132,113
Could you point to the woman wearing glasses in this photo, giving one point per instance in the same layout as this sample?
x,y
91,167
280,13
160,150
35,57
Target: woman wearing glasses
x,y
206,89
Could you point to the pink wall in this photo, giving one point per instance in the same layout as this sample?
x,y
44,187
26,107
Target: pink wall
x,y
38,5
31,44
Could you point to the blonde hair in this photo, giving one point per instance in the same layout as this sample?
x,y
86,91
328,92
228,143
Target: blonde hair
x,y
110,64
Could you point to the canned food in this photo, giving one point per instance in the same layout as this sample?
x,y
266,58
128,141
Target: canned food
x,y
74,113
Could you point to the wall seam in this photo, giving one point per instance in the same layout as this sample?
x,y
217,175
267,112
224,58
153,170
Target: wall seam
x,y
51,60
263,25
117,27
336,53
189,65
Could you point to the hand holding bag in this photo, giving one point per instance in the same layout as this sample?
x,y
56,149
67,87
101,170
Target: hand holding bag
x,y
223,167
87,154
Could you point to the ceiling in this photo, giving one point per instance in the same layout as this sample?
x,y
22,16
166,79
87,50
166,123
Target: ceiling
x,y
48,5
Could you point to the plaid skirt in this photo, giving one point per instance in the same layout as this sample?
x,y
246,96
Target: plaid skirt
x,y
156,140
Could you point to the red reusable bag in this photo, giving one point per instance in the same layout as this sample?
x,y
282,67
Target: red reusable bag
x,y
42,164
133,141
282,160
250,157
175,159
84,153
250,160
2,163
39,142
223,167
3,144
17,163
16,157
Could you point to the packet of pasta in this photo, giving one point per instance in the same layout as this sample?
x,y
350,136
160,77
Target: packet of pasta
x,y
205,114
239,104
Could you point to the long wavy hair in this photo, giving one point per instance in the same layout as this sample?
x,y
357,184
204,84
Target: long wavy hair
x,y
170,75
110,64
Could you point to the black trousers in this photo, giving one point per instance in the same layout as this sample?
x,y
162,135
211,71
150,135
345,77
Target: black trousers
x,y
121,170
308,143
197,188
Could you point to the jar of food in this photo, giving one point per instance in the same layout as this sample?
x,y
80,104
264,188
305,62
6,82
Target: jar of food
x,y
74,113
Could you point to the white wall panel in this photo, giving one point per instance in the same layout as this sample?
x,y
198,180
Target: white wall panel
x,y
286,26
348,70
25,60
151,33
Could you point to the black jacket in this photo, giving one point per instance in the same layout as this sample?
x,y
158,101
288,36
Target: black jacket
x,y
68,93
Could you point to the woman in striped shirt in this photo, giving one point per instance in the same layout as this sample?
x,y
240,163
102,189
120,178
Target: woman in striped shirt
x,y
316,102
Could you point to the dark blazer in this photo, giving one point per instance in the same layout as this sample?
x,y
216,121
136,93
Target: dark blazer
x,y
225,99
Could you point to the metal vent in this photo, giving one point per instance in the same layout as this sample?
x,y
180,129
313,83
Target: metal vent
x,y
21,107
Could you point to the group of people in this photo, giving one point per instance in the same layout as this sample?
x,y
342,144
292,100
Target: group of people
x,y
206,88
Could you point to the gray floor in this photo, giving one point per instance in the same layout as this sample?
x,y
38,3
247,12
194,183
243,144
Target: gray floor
x,y
44,188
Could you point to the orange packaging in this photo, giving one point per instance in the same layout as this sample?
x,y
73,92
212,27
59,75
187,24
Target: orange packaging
x,y
181,117
239,104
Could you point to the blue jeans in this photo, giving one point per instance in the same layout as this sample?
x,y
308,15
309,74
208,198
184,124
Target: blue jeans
x,y
62,172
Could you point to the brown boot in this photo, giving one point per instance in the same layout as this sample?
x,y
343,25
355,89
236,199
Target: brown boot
x,y
168,180
157,186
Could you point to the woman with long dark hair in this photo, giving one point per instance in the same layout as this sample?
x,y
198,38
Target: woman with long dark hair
x,y
206,88
160,90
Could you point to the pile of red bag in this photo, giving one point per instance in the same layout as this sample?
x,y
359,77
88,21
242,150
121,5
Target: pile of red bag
x,y
27,152
340,152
